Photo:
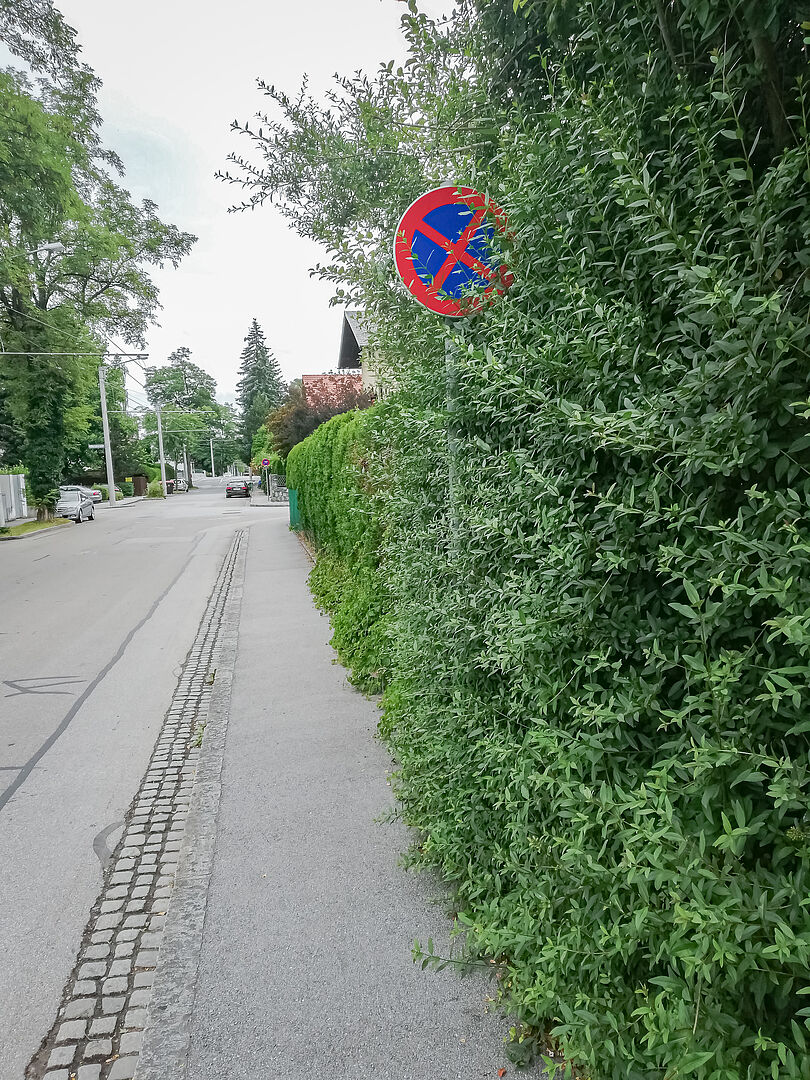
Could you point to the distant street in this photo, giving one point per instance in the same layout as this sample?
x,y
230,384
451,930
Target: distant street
x,y
95,621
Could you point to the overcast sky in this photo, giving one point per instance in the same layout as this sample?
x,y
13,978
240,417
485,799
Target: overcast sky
x,y
175,75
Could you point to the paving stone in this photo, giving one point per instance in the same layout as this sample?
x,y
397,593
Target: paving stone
x,y
131,1042
57,1074
115,986
98,1048
73,1030
61,1055
111,1005
120,967
139,892
109,906
96,952
79,1007
135,906
128,934
125,948
89,1072
143,978
108,922
146,958
123,1068
116,892
84,987
139,999
125,864
100,937
151,941
92,970
135,920
103,1025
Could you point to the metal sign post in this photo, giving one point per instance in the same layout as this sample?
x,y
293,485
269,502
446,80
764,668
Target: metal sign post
x,y
447,253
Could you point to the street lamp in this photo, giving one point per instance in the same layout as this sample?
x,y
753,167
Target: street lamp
x,y
54,248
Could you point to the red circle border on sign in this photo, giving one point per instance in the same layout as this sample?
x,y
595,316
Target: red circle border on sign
x,y
413,219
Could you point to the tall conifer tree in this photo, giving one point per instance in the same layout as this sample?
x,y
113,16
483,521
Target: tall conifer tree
x,y
261,387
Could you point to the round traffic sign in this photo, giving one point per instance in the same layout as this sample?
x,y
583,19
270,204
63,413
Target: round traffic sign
x,y
446,250
265,462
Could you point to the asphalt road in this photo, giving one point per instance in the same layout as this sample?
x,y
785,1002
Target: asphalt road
x,y
95,621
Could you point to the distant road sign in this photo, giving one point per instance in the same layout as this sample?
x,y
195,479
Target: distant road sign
x,y
446,250
265,462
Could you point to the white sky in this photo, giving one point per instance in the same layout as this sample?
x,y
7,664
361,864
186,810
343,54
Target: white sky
x,y
175,74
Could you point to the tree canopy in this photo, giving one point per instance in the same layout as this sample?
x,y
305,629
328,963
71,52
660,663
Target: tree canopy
x,y
58,186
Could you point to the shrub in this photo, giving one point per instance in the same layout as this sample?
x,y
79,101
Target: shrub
x,y
339,511
600,632
154,490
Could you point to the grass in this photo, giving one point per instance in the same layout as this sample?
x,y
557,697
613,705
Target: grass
x,y
29,527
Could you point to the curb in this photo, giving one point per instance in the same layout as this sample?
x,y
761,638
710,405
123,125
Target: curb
x,y
38,532
164,1053
122,502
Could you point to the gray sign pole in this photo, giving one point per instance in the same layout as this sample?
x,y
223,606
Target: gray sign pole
x,y
102,386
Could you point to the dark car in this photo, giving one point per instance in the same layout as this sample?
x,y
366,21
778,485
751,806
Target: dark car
x,y
237,487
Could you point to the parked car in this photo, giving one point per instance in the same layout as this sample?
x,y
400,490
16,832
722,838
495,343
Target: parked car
x,y
95,494
79,487
180,484
240,488
76,505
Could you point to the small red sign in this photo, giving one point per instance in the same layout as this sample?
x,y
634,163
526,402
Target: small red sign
x,y
447,250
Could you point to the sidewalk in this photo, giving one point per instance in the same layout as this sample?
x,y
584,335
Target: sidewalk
x,y
304,968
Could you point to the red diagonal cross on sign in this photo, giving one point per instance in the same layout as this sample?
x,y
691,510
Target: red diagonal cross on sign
x,y
413,222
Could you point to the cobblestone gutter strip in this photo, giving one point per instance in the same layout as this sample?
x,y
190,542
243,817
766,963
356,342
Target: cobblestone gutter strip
x,y
164,1055
98,1032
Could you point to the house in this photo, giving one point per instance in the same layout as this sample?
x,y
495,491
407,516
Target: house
x,y
354,353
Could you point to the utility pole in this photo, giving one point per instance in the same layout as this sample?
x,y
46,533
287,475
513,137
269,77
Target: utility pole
x,y
160,448
102,386
213,469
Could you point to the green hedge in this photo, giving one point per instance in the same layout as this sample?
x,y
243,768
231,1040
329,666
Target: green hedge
x,y
340,512
600,698
600,639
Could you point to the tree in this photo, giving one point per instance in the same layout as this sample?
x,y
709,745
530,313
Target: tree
x,y
181,382
261,387
185,393
303,411
55,187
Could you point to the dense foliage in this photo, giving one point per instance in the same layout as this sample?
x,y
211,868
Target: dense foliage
x,y
76,252
304,410
340,512
599,637
194,422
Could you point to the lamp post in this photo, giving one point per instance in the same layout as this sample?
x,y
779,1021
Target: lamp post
x,y
54,248
102,386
